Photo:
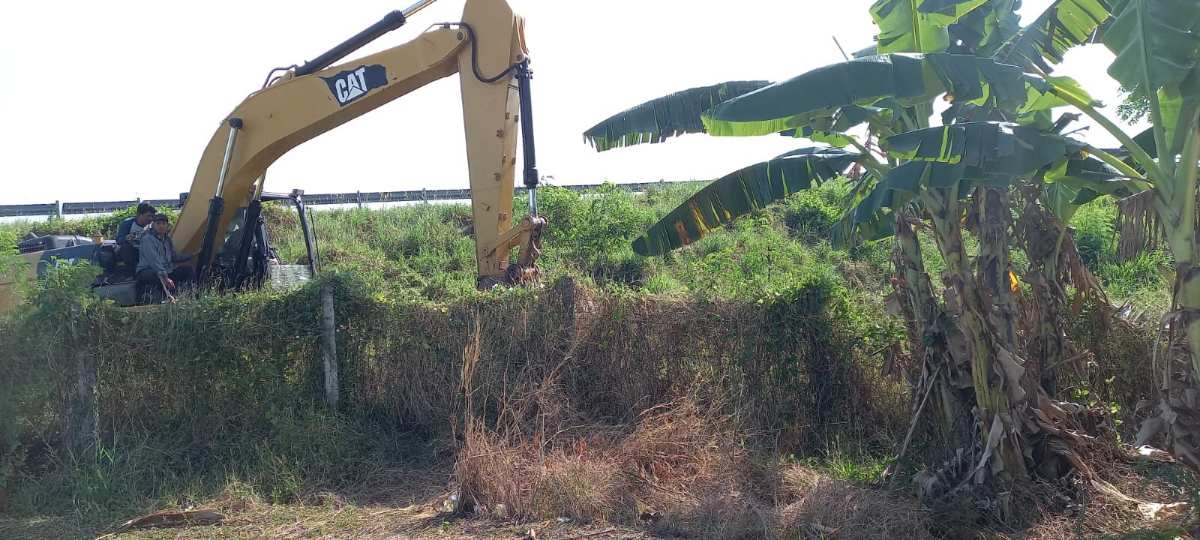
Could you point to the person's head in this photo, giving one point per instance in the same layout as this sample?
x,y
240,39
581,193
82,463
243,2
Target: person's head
x,y
145,213
162,225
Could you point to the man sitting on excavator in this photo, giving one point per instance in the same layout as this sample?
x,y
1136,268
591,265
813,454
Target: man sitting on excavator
x,y
157,261
128,233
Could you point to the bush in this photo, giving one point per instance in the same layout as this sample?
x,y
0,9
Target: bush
x,y
811,214
752,259
593,232
1144,281
1095,232
103,225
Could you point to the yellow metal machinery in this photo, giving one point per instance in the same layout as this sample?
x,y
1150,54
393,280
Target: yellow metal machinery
x,y
221,218
487,48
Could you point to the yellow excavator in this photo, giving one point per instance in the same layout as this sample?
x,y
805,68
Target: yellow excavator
x,y
221,218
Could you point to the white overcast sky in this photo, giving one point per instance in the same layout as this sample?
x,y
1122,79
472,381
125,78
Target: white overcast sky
x,y
116,100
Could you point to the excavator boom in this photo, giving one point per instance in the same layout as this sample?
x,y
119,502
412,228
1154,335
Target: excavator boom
x,y
487,49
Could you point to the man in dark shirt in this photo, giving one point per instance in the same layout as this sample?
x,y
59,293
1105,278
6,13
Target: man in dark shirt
x,y
157,260
128,233
145,213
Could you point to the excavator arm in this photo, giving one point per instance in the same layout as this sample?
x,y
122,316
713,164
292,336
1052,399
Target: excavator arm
x,y
487,49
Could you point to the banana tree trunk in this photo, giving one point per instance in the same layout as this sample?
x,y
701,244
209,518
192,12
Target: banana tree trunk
x,y
992,371
1175,204
939,366
992,216
1176,207
1181,412
1186,293
911,267
1043,237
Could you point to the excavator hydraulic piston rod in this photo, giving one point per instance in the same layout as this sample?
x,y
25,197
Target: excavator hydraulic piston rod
x,y
524,75
417,6
235,124
389,22
216,206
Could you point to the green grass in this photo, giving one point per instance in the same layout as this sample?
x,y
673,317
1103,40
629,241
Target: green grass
x,y
859,468
1144,281
425,251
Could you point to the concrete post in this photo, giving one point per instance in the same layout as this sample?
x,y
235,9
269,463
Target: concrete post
x,y
84,416
329,347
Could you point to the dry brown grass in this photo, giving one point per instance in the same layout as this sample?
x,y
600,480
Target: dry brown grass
x,y
519,479
670,458
826,507
593,432
583,487
798,384
689,466
1154,502
681,470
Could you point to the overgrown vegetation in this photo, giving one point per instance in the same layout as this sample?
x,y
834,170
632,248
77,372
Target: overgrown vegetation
x,y
1002,169
761,345
425,252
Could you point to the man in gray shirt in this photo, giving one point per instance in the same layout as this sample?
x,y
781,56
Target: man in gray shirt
x,y
157,260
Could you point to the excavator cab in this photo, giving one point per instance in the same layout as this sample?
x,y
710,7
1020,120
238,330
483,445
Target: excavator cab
x,y
247,259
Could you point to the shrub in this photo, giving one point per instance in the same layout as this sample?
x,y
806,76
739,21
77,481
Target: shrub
x,y
592,231
1146,273
102,225
811,214
1095,232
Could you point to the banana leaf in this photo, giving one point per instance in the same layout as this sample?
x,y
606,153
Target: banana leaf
x,y
832,130
982,31
1157,42
1041,99
1064,25
848,231
907,79
918,26
1178,104
832,138
986,149
1063,200
667,116
966,155
1074,182
1088,174
742,192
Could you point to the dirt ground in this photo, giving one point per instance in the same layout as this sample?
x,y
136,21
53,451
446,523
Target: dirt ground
x,y
402,504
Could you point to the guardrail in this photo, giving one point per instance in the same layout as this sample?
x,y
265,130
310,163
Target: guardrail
x,y
59,209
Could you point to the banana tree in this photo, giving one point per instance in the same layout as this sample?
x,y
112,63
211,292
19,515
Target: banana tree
x,y
919,170
1157,48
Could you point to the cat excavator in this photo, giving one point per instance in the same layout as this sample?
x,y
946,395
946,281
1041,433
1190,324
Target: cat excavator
x,y
221,218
